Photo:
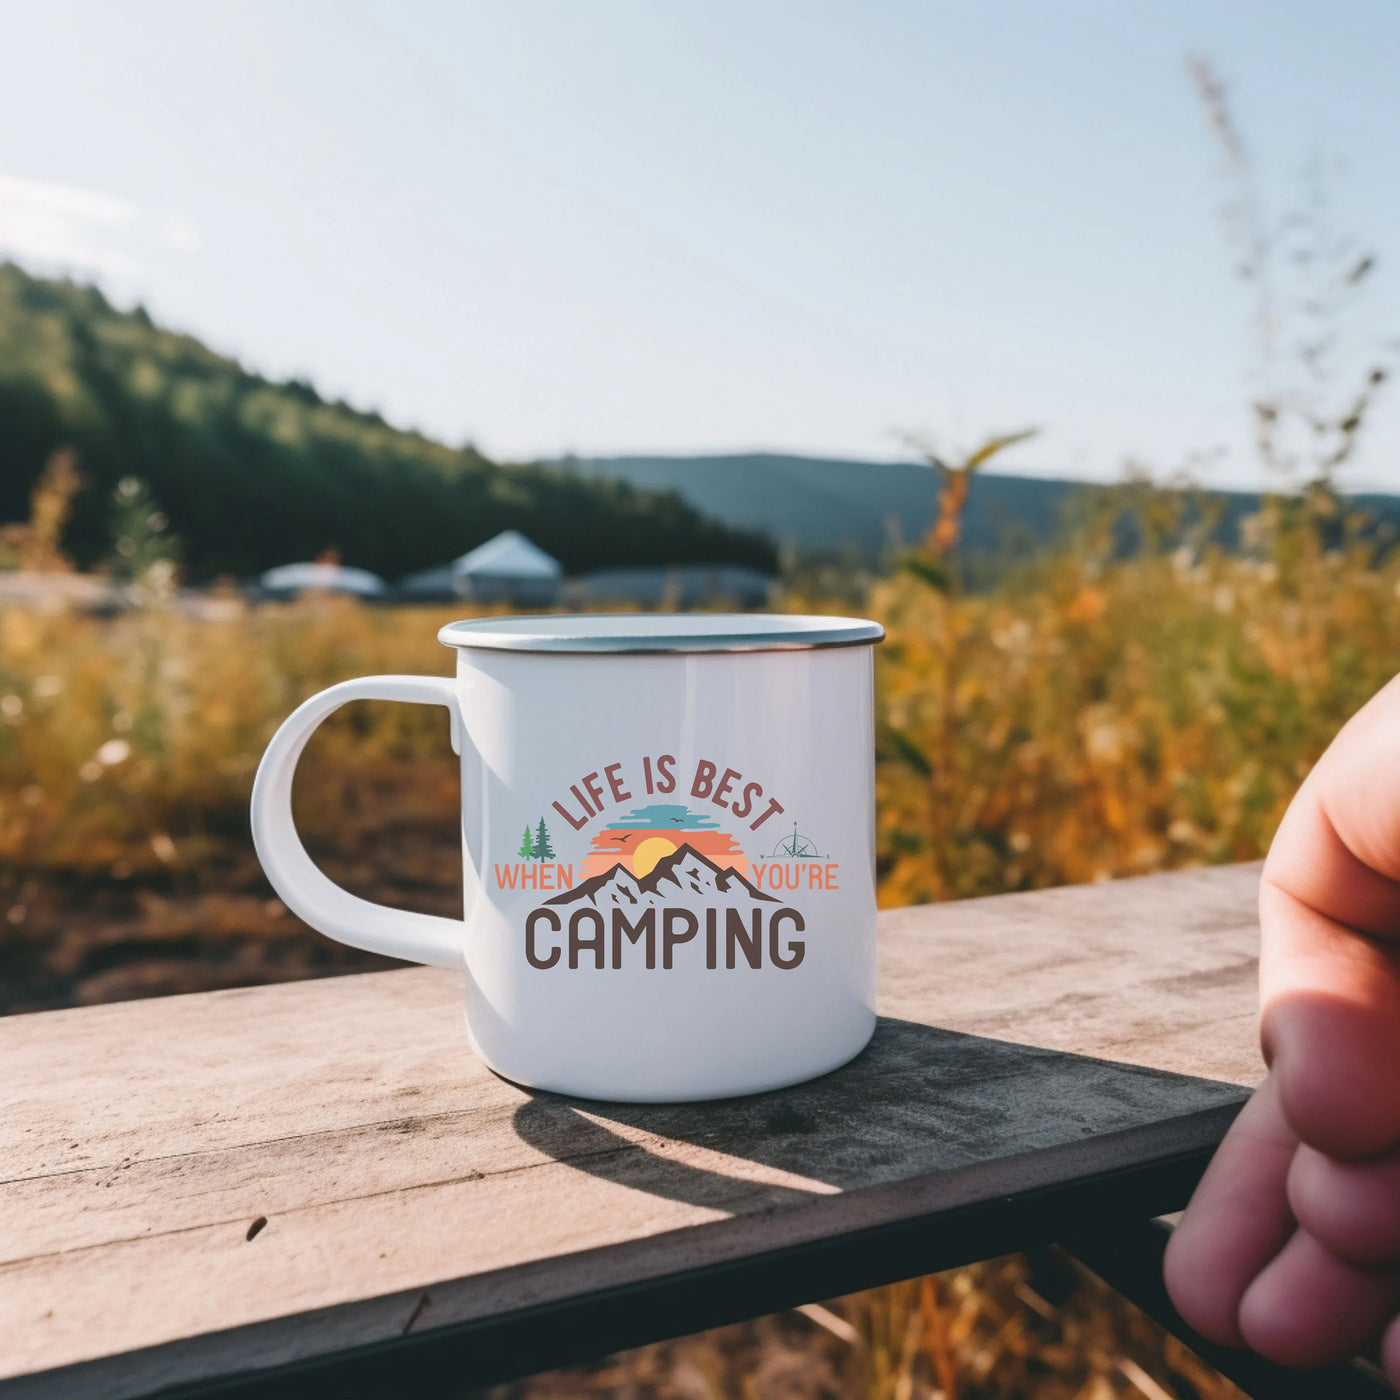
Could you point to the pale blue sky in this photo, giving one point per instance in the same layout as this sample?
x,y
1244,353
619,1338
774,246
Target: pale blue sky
x,y
623,225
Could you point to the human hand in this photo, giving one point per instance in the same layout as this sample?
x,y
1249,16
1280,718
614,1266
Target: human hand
x,y
1291,1243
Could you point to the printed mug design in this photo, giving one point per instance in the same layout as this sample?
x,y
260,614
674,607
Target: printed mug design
x,y
667,884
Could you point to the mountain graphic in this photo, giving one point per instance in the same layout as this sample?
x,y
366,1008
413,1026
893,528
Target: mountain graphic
x,y
677,878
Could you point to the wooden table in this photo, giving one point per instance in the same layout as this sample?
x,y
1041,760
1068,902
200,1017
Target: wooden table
x,y
314,1189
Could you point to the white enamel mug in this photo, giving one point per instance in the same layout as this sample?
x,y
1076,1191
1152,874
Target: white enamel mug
x,y
668,845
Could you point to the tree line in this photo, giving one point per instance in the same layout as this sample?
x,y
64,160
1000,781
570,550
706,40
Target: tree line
x,y
253,473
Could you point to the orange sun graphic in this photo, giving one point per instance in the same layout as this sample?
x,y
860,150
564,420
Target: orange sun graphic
x,y
650,834
652,849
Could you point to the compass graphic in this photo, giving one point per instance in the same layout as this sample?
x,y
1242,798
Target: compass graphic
x,y
795,846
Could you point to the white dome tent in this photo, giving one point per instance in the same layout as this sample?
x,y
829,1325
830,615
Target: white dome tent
x,y
292,580
508,568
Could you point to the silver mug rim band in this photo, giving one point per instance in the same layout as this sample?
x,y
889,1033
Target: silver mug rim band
x,y
597,634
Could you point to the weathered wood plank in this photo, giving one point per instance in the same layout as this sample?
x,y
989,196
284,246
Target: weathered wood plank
x,y
1159,972
140,1141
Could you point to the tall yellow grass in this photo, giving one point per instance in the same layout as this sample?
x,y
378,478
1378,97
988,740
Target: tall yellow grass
x,y
1100,718
1089,718
132,738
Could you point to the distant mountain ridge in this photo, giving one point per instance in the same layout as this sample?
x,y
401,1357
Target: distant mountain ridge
x,y
681,876
833,507
820,505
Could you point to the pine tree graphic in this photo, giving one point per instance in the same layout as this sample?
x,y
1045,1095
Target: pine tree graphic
x,y
527,846
543,850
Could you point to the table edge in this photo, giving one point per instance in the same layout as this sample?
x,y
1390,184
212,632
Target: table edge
x,y
897,1230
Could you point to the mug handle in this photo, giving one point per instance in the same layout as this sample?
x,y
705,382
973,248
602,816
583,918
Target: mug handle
x,y
423,938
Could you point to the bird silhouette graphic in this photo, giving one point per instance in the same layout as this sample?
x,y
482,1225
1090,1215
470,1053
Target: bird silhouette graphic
x,y
623,839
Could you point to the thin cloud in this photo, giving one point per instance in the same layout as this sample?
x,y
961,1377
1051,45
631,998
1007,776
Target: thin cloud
x,y
70,229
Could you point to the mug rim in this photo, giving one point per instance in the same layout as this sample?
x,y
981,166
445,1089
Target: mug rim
x,y
620,633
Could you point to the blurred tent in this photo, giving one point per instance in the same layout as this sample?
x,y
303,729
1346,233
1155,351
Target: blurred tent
x,y
508,568
292,580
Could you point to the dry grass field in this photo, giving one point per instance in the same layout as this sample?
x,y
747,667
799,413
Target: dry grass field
x,y
1090,717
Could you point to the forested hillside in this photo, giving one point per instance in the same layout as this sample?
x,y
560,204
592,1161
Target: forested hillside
x,y
253,473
